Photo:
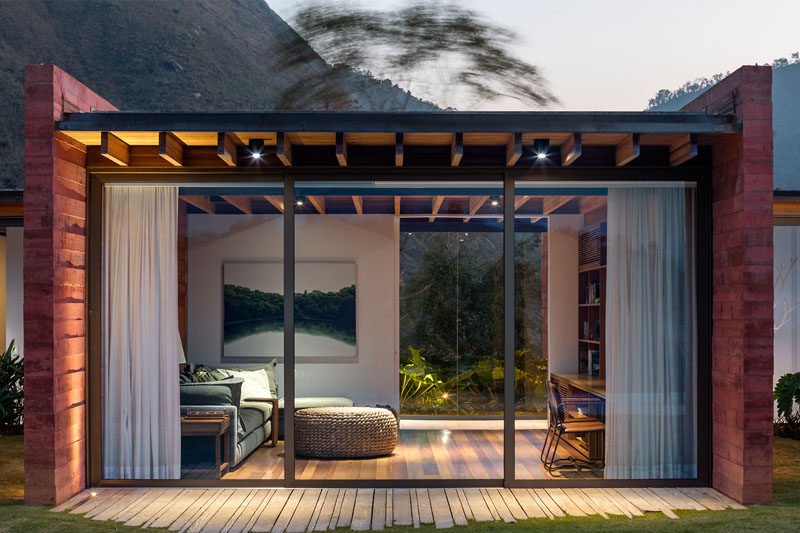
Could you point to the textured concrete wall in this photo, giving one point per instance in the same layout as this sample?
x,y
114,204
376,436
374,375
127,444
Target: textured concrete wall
x,y
742,333
54,288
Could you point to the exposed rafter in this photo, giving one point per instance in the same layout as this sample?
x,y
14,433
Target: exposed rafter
x,y
475,203
358,202
589,203
318,202
170,148
276,201
242,203
341,149
202,203
456,149
397,205
628,149
283,149
571,149
398,150
520,200
551,203
114,149
436,203
683,150
514,149
226,149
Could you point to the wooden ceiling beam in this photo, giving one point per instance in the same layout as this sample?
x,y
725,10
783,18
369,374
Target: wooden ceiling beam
x,y
114,149
341,149
683,149
589,203
226,149
475,203
276,201
551,203
513,149
571,149
202,203
398,154
318,202
456,149
520,200
358,202
283,149
242,203
436,203
170,148
628,149
397,204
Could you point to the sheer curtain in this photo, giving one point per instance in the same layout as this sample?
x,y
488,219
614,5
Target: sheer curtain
x,y
651,346
141,422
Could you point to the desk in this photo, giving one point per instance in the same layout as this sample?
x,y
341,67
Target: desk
x,y
589,387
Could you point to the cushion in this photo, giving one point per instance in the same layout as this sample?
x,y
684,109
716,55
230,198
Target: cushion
x,y
255,382
321,401
233,384
207,394
269,368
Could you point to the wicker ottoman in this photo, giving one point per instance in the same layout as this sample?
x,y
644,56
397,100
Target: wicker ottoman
x,y
344,432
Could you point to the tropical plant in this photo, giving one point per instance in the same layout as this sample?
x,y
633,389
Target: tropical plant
x,y
11,396
787,393
419,383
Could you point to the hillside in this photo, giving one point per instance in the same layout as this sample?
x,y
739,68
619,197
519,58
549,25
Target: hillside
x,y
785,123
172,55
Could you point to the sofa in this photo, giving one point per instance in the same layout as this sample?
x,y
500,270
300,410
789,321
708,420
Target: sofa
x,y
232,390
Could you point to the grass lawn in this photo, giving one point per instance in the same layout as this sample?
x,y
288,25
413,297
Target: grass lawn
x,y
782,515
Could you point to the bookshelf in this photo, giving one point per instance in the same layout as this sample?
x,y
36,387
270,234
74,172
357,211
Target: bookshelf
x,y
591,299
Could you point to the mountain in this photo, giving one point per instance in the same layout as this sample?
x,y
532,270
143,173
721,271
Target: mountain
x,y
785,120
187,55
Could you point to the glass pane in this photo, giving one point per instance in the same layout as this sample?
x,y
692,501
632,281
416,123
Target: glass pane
x,y
192,321
399,304
609,387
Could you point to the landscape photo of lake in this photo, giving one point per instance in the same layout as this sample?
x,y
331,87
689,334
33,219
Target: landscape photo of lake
x,y
325,310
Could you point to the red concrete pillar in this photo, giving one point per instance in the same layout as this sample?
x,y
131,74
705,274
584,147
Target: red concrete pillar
x,y
742,334
55,287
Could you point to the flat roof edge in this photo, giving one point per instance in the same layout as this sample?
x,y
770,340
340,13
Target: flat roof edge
x,y
418,122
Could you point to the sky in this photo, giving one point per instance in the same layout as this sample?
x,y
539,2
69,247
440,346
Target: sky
x,y
616,54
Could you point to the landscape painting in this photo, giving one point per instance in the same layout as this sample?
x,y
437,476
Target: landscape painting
x,y
325,310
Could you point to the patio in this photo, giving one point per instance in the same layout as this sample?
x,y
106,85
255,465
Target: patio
x,y
297,510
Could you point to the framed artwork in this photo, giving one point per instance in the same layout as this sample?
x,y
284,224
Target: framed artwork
x,y
325,311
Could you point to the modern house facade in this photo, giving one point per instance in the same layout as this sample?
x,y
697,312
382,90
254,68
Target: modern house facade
x,y
543,298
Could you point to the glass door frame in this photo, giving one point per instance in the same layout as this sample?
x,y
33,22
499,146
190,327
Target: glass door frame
x,y
508,176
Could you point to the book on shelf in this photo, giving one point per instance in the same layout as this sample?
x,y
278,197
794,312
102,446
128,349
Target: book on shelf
x,y
594,362
592,292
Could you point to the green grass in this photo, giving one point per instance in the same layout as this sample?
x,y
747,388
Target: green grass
x,y
778,516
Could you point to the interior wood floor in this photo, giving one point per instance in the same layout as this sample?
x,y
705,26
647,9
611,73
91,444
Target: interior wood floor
x,y
420,454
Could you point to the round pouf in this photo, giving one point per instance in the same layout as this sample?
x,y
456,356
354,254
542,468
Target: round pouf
x,y
344,432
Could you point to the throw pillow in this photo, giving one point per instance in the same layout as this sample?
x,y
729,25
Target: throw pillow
x,y
256,382
205,395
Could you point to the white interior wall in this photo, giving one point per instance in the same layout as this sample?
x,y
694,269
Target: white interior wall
x,y
367,240
787,339
562,292
14,288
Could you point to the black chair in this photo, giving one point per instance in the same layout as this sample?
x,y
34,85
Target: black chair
x,y
562,424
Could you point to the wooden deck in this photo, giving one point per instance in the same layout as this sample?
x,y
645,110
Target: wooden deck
x,y
296,510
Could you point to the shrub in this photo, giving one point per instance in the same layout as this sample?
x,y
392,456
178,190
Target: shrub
x,y
11,381
787,393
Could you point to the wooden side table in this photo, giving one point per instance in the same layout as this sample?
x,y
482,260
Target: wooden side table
x,y
273,439
211,426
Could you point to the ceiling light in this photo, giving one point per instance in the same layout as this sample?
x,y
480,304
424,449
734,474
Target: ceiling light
x,y
495,202
256,155
541,155
299,202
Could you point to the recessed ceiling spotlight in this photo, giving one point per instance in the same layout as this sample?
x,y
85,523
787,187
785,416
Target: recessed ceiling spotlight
x,y
541,155
495,201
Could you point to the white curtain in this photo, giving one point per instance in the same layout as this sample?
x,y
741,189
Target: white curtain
x,y
651,341
141,422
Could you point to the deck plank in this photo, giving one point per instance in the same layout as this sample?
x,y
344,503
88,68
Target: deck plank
x,y
543,506
174,511
337,509
226,511
362,510
456,510
108,502
622,502
73,502
348,505
270,511
465,504
723,499
441,509
401,507
210,510
677,500
513,505
603,502
126,514
528,504
304,511
93,501
115,508
549,502
701,497
379,510
389,508
584,502
490,505
424,506
565,502
247,512
661,504
477,504
285,516
190,513
149,512
326,510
